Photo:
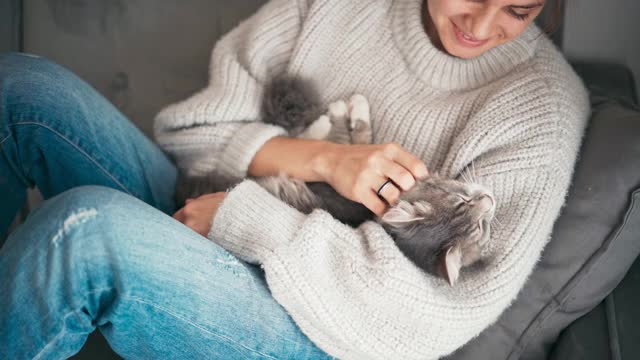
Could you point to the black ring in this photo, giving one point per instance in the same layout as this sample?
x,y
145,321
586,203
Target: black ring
x,y
381,186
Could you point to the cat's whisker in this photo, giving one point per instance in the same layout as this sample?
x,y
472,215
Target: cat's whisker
x,y
469,175
494,226
497,221
473,172
464,176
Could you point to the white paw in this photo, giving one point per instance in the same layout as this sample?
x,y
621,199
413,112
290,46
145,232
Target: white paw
x,y
338,110
358,110
319,129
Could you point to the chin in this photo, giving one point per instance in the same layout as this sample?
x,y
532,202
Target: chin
x,y
463,53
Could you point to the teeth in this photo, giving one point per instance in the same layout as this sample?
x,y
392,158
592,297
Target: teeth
x,y
465,36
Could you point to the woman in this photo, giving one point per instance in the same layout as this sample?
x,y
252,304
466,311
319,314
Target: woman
x,y
451,83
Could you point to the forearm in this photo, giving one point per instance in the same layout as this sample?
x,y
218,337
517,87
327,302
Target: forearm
x,y
304,159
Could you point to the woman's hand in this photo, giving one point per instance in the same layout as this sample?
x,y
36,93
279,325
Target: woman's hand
x,y
198,213
358,171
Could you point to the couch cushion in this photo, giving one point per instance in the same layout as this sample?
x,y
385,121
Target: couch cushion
x,y
610,331
608,81
593,245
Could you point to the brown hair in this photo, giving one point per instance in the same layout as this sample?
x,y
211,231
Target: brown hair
x,y
552,15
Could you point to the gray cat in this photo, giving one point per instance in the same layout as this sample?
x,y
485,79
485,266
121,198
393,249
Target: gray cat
x,y
442,225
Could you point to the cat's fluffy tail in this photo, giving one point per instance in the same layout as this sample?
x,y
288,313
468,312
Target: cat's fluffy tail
x,y
290,102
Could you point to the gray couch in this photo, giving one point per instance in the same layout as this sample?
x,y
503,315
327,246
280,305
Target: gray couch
x,y
145,54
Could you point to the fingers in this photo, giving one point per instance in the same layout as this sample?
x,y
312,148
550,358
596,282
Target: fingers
x,y
400,176
179,215
414,165
198,213
390,193
374,203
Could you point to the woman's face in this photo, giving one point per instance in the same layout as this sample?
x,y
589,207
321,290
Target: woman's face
x,y
468,28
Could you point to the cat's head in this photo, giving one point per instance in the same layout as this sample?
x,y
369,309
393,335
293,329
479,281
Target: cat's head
x,y
442,225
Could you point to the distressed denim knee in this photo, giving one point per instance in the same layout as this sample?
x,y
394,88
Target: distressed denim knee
x,y
85,218
97,227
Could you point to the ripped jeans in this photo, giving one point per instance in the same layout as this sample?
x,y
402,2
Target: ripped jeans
x,y
102,250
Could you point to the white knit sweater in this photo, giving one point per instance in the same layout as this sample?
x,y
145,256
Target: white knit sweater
x,y
518,112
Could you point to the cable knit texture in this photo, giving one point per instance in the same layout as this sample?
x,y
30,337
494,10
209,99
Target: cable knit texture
x,y
517,112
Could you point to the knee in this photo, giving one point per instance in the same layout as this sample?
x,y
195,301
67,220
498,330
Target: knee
x,y
86,216
25,76
104,230
78,225
85,196
18,58
98,230
26,66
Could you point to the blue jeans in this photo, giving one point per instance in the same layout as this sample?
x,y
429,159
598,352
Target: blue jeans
x,y
102,250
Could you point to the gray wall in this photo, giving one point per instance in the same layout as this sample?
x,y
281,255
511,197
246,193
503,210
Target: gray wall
x,y
604,30
140,54
10,24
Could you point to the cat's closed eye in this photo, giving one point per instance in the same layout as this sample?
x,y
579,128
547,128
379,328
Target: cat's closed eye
x,y
464,198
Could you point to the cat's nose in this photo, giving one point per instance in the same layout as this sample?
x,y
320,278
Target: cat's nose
x,y
485,203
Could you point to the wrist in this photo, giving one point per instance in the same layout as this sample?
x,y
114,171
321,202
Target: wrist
x,y
324,159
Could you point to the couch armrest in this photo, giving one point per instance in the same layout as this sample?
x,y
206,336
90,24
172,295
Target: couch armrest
x,y
611,330
608,81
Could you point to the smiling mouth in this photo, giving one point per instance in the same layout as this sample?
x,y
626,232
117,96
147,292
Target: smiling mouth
x,y
465,39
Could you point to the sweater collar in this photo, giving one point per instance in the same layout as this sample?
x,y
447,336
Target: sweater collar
x,y
444,71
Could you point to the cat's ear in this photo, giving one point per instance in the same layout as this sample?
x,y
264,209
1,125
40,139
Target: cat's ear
x,y
405,213
450,263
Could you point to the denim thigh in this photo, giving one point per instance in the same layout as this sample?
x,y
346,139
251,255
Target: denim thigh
x,y
95,257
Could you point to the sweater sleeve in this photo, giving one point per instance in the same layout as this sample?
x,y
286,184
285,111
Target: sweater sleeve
x,y
357,296
354,294
219,128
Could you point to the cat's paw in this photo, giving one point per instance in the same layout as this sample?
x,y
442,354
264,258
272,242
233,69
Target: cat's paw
x,y
359,111
319,129
360,120
338,111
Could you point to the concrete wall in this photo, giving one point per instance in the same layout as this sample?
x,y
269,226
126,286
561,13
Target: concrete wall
x,y
604,30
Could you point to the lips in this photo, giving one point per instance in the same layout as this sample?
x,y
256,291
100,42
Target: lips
x,y
465,39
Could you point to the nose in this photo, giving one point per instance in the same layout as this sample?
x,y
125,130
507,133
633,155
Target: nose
x,y
482,23
485,203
